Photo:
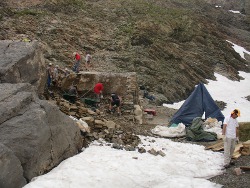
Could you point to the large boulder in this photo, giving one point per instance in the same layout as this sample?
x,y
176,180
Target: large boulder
x,y
11,175
35,135
37,132
22,62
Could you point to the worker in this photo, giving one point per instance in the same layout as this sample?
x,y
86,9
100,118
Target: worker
x,y
231,135
98,90
72,94
56,75
49,75
76,66
87,61
115,101
73,90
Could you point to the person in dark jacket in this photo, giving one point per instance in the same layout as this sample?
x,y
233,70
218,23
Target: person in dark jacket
x,y
115,101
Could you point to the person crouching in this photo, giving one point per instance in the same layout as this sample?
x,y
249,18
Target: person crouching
x,y
115,101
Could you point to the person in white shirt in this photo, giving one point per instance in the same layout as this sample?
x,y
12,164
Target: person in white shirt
x,y
230,130
87,63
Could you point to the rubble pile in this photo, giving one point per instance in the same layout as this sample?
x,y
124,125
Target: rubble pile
x,y
99,126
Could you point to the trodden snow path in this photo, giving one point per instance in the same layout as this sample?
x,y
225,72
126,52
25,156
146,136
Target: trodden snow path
x,y
185,165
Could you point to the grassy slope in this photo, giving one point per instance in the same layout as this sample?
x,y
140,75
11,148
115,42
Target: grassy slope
x,y
172,45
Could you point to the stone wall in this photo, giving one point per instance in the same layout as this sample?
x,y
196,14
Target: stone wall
x,y
124,84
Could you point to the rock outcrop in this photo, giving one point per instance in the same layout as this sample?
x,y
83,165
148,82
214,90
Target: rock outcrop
x,y
11,170
35,135
22,62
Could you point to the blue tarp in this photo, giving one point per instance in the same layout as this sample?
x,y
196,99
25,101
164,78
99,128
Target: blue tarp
x,y
196,104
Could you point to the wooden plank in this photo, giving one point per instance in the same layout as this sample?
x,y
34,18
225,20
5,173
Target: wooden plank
x,y
219,147
237,150
218,144
238,147
246,168
236,155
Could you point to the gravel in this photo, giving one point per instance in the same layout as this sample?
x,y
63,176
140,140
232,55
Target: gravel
x,y
229,179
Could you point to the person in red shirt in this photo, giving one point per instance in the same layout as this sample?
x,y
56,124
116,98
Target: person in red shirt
x,y
77,62
98,90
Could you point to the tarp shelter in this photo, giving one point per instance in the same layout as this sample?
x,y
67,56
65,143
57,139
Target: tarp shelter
x,y
196,104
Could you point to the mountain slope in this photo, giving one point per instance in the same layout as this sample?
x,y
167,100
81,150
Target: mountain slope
x,y
172,45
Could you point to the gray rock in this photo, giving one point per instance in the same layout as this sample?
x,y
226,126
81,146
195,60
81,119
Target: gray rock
x,y
117,146
141,150
36,131
110,124
129,148
38,135
161,153
11,175
22,62
153,152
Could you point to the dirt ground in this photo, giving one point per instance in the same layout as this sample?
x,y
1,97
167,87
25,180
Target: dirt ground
x,y
229,178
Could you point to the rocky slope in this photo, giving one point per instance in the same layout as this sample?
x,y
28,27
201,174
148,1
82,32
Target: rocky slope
x,y
172,45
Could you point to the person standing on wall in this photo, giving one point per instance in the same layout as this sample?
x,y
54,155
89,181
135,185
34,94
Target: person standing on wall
x,y
87,59
76,65
231,135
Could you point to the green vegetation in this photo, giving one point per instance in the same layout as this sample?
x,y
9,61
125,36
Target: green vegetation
x,y
5,12
154,21
181,39
244,131
65,6
28,12
74,3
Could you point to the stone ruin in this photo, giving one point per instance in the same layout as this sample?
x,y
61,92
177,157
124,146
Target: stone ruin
x,y
124,84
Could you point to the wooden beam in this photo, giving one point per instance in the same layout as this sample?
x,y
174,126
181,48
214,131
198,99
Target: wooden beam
x,y
246,168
